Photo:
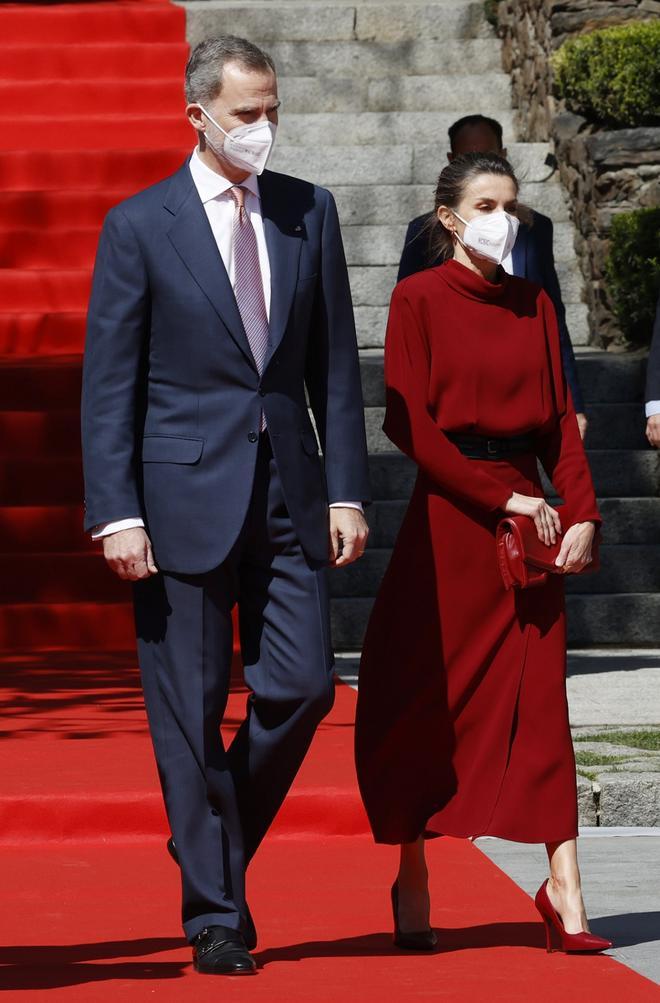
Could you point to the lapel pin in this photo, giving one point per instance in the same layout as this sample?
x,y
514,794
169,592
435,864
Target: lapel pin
x,y
297,228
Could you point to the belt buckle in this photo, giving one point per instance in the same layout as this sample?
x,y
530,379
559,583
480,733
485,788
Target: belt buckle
x,y
492,447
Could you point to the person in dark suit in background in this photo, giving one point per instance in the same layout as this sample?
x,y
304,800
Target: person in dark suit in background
x,y
652,396
532,256
219,296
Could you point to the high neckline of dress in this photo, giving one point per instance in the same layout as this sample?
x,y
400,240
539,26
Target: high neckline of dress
x,y
471,284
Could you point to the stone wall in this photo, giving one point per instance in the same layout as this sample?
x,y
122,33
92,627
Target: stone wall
x,y
605,172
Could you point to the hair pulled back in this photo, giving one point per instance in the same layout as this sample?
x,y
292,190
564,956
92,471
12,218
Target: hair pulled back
x,y
450,190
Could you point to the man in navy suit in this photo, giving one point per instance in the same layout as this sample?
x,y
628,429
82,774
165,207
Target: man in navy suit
x,y
220,295
652,395
532,256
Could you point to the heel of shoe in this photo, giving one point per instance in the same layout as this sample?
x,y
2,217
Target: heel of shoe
x,y
549,945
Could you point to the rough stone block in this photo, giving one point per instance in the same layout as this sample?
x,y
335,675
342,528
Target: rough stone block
x,y
370,322
372,285
382,204
323,94
410,21
337,165
372,128
374,245
374,59
630,621
629,799
586,803
463,92
269,22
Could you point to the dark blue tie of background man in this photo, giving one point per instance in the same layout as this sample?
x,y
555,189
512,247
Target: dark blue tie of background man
x,y
532,256
220,295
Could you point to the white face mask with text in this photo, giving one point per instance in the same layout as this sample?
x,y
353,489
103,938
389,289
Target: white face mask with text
x,y
491,235
247,147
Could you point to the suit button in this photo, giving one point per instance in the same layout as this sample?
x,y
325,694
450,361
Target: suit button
x,y
252,436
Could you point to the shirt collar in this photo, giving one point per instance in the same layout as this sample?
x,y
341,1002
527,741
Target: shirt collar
x,y
210,184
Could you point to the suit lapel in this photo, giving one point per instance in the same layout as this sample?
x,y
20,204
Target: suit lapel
x,y
193,240
284,232
519,252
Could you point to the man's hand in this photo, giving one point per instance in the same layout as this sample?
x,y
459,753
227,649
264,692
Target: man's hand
x,y
129,554
348,533
575,551
653,430
583,424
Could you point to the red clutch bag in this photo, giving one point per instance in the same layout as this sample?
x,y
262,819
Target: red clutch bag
x,y
525,561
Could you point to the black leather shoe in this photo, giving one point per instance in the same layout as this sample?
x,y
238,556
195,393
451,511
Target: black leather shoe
x,y
418,940
250,934
218,950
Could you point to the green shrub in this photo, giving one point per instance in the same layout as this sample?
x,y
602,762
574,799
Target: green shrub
x,y
490,10
632,271
612,75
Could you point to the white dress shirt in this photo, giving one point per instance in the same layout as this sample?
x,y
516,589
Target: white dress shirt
x,y
652,407
213,190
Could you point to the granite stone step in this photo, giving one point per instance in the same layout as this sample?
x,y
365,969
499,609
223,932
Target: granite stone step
x,y
619,619
434,93
624,568
617,473
375,59
625,521
382,22
378,128
391,164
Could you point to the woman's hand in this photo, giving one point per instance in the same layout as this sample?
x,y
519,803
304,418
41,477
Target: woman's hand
x,y
575,552
546,518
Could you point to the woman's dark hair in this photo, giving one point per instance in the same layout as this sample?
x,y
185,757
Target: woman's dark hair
x,y
449,191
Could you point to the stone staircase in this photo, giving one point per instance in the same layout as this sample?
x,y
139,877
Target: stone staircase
x,y
369,90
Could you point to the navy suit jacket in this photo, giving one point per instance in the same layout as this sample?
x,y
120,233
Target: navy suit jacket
x,y
171,394
533,258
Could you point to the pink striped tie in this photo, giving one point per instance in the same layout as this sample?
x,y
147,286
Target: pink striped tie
x,y
248,284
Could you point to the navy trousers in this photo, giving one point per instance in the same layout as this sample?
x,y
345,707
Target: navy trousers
x,y
220,801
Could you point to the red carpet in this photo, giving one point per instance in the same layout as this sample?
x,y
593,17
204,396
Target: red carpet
x,y
90,111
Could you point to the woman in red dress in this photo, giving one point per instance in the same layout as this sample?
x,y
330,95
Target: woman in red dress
x,y
462,721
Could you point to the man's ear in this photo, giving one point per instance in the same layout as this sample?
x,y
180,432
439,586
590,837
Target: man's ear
x,y
450,156
504,154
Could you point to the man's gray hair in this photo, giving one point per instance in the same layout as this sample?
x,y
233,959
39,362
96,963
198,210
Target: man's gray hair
x,y
207,59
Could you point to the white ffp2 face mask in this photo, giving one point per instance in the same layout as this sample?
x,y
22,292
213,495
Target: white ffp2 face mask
x,y
492,235
247,147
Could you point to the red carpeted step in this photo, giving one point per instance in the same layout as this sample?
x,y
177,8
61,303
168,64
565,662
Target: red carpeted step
x,y
44,528
34,249
96,131
89,22
100,60
60,209
41,334
322,910
51,481
59,578
51,289
90,170
40,384
39,433
46,626
125,95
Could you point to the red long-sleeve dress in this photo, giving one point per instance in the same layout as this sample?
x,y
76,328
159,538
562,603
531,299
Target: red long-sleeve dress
x,y
462,719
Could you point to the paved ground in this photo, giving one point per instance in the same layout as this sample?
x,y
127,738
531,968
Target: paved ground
x,y
620,877
620,866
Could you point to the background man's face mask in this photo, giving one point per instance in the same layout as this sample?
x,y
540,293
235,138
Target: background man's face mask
x,y
492,235
247,147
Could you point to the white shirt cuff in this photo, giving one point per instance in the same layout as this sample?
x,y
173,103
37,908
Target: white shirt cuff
x,y
106,528
357,505
652,407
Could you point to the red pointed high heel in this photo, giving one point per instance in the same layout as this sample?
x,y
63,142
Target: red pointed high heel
x,y
554,929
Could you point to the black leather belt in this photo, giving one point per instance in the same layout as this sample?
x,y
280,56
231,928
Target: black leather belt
x,y
480,447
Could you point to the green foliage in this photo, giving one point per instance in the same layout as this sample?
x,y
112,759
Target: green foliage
x,y
632,271
635,739
592,759
612,75
490,8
